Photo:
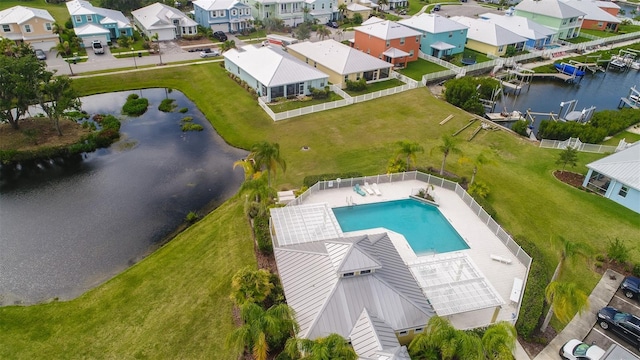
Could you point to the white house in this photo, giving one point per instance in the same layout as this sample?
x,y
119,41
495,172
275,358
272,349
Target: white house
x,y
537,35
617,177
169,23
28,25
489,38
272,72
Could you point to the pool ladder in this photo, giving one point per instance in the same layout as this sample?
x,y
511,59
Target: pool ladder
x,y
350,201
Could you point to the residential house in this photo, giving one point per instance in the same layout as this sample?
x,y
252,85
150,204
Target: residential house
x,y
223,15
564,19
617,177
94,23
354,8
538,36
272,72
598,14
169,23
340,61
322,11
291,12
389,41
441,36
28,25
489,38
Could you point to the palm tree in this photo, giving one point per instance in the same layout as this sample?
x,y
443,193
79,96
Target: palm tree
x,y
339,34
342,8
63,48
262,329
155,38
408,149
267,156
228,45
440,340
382,3
499,340
448,146
323,32
248,285
249,167
565,299
481,159
333,347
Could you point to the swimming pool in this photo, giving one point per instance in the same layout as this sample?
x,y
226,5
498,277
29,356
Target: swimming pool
x,y
424,227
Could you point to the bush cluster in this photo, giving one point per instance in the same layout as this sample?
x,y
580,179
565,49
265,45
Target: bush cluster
x,y
135,105
193,37
359,85
167,105
320,93
310,180
261,232
603,123
520,127
244,84
533,300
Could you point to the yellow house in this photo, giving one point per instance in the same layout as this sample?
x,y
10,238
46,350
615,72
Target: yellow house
x,y
28,25
341,62
488,38
354,8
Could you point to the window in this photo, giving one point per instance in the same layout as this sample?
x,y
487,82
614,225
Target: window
x,y
600,23
418,330
78,18
221,13
306,60
388,43
623,191
313,7
283,8
564,22
346,77
323,5
401,41
501,48
365,272
47,26
89,18
403,333
411,53
213,14
27,28
348,274
6,28
322,84
451,34
234,12
418,38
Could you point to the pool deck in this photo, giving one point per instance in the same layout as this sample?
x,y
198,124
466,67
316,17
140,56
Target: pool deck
x,y
483,243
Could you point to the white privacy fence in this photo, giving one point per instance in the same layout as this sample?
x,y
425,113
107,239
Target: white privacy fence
x,y
575,143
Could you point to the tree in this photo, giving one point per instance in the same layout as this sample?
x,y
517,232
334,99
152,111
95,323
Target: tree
x,y
463,92
480,159
323,32
56,96
448,146
339,34
357,18
248,285
408,149
228,45
499,340
333,347
63,48
565,299
125,42
303,31
569,156
267,156
440,340
155,39
263,330
20,79
125,6
342,8
382,4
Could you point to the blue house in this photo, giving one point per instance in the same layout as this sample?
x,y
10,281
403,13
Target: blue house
x,y
617,177
223,15
538,36
93,23
440,35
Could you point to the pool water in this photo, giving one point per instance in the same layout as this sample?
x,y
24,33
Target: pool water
x,y
424,227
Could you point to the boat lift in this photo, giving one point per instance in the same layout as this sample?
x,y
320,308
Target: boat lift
x,y
632,100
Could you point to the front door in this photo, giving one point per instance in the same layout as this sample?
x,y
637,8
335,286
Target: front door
x,y
301,89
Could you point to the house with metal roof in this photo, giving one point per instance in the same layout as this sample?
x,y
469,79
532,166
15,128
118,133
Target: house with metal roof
x,y
28,25
489,38
168,22
340,62
223,15
272,72
291,12
441,36
389,41
598,15
537,35
322,11
563,18
94,23
617,177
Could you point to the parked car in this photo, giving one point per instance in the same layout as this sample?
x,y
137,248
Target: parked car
x,y
97,47
437,7
220,36
627,326
631,287
332,24
40,55
206,53
575,349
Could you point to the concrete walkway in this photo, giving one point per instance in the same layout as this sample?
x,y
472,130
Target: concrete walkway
x,y
581,324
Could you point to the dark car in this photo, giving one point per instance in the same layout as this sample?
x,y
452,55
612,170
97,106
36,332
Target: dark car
x,y
631,287
40,55
436,8
220,36
627,326
332,24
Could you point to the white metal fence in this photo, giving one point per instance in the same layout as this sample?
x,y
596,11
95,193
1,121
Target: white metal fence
x,y
575,143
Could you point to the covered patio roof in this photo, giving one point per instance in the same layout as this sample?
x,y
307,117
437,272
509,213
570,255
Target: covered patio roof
x,y
395,53
441,45
302,224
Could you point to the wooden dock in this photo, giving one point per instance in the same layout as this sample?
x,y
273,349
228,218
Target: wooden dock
x,y
630,103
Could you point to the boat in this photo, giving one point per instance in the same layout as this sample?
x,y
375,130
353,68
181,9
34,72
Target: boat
x,y
505,116
568,69
618,64
635,65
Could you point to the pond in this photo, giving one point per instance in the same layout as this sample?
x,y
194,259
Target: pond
x,y
69,225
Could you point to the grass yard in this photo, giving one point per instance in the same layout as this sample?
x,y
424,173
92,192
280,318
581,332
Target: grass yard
x,y
416,69
287,105
626,135
578,40
377,86
175,303
58,11
254,35
598,33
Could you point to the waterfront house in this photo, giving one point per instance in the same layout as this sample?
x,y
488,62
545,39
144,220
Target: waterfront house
x,y
291,12
489,38
222,15
537,35
389,41
598,15
273,73
441,36
322,11
617,177
94,23
340,61
32,26
169,23
557,15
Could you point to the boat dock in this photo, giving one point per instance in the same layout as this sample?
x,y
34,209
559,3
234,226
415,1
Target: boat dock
x,y
505,116
632,100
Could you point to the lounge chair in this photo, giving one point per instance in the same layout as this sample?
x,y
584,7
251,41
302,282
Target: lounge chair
x,y
368,188
358,190
375,189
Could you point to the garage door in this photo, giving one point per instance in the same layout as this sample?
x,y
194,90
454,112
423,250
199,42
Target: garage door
x,y
86,41
220,27
166,34
44,45
322,19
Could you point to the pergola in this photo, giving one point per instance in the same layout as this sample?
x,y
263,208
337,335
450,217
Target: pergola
x,y
304,223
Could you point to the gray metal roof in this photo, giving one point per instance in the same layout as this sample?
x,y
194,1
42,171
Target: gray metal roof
x,y
552,8
623,166
301,224
371,335
520,25
487,32
21,14
593,10
432,23
160,16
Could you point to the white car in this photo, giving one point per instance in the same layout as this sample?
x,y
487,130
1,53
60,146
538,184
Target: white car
x,y
209,53
576,349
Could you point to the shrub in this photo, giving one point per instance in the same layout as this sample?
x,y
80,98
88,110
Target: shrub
x,y
167,105
600,257
135,105
636,269
618,251
520,127
320,93
183,110
261,232
359,85
191,127
192,217
310,180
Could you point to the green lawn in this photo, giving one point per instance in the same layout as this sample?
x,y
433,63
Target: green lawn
x,y
58,11
175,304
579,39
416,69
626,135
387,84
296,104
598,33
254,35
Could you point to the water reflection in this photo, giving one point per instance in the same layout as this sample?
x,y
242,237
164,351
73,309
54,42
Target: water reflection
x,y
68,225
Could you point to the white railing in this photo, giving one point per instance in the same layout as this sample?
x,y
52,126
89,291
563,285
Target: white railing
x,y
575,143
407,80
439,61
